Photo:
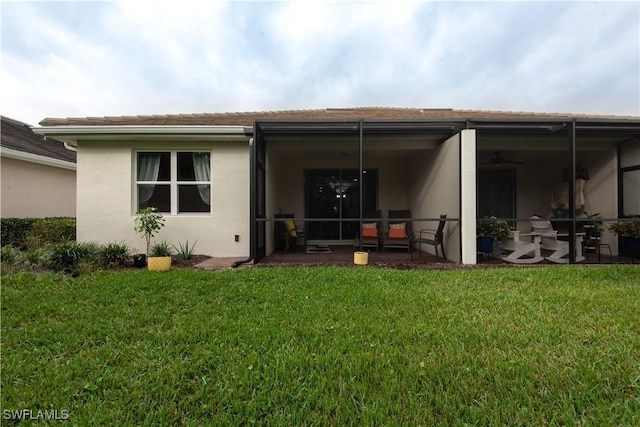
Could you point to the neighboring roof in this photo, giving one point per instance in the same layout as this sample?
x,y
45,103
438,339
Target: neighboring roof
x,y
18,137
371,113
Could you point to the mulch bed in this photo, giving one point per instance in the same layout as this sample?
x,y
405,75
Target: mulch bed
x,y
177,261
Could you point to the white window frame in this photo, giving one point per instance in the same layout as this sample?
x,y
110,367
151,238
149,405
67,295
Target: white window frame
x,y
173,181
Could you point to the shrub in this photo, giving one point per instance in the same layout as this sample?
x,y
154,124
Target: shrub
x,y
9,254
114,254
72,257
14,230
36,258
185,251
492,227
13,259
160,249
626,228
10,258
50,231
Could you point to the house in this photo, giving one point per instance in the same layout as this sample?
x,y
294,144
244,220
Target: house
x,y
38,175
222,178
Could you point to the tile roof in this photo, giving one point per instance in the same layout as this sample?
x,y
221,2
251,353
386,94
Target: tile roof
x,y
19,136
375,113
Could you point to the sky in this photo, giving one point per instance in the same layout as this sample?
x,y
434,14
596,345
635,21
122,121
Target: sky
x,y
115,58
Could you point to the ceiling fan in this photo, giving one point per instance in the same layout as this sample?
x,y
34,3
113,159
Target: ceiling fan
x,y
498,160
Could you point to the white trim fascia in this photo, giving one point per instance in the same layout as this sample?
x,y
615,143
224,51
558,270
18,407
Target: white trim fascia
x,y
34,158
71,134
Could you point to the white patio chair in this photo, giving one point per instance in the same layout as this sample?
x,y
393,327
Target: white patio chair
x,y
522,251
549,241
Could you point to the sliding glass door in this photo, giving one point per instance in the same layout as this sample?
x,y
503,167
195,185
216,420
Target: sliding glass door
x,y
333,195
496,193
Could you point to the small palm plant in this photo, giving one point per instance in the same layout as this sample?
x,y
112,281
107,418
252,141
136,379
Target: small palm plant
x,y
160,249
185,251
114,254
147,223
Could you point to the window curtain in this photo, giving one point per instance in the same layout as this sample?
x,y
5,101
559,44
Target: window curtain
x,y
148,168
202,169
561,194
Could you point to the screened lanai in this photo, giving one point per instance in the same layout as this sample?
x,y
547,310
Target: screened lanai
x,y
329,175
573,173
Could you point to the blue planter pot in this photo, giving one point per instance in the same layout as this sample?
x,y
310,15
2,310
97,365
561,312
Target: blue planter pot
x,y
631,246
485,245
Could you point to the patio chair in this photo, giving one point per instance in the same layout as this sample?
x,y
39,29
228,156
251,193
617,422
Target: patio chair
x,y
370,231
287,232
432,237
398,234
522,251
549,241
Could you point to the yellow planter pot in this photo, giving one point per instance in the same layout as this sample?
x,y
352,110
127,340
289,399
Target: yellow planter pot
x,y
361,258
162,263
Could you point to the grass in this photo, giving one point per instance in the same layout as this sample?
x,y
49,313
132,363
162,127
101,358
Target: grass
x,y
326,346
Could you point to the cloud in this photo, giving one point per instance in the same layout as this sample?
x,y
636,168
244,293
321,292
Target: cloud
x,y
147,57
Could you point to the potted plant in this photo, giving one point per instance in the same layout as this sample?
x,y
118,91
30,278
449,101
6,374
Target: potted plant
x,y
147,223
592,229
629,231
159,258
488,231
593,221
559,209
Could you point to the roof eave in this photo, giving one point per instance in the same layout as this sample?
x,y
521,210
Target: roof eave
x,y
37,159
73,134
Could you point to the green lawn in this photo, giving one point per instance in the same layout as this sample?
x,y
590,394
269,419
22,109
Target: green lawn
x,y
326,346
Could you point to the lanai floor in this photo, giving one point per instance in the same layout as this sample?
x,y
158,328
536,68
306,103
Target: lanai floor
x,y
343,256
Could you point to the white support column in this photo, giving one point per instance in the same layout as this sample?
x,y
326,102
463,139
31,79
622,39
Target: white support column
x,y
468,195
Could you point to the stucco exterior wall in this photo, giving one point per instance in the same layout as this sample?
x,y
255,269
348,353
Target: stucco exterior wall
x,y
434,189
106,185
394,177
37,191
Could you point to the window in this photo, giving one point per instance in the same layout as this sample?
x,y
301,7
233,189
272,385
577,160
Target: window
x,y
174,181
